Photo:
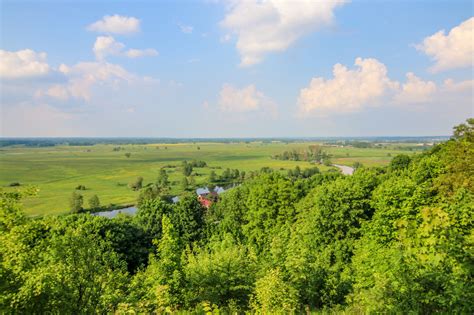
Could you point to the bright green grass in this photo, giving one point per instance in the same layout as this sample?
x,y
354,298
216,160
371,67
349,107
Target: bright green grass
x,y
56,171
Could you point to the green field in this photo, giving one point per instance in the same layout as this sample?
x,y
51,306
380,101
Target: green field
x,y
57,170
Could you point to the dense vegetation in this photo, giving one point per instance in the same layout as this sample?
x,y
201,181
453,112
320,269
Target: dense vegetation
x,y
395,239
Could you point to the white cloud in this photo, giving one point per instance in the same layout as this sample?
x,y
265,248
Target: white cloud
x,y
247,99
107,46
83,77
415,90
454,50
135,53
23,64
56,91
187,29
116,24
451,86
368,85
348,91
270,26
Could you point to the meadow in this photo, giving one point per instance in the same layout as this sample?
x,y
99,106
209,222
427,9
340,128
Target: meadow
x,y
105,170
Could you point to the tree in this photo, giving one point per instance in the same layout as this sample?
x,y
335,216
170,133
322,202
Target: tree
x,y
11,213
128,154
273,295
137,184
184,184
150,215
163,278
75,202
162,179
60,269
220,274
400,162
187,168
212,177
94,202
188,218
192,181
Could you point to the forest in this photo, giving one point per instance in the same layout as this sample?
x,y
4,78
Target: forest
x,y
388,239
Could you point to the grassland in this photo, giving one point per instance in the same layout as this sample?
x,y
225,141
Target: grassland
x,y
56,171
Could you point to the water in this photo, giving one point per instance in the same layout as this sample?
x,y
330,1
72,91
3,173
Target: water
x,y
132,210
346,170
113,213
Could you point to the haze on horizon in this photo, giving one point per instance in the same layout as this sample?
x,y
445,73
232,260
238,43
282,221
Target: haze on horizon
x,y
217,69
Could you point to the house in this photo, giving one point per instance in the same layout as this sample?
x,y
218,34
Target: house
x,y
206,199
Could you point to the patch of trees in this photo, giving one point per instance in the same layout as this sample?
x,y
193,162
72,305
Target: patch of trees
x,y
137,184
393,239
227,176
306,173
313,153
187,167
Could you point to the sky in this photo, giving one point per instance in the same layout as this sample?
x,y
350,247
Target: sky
x,y
210,68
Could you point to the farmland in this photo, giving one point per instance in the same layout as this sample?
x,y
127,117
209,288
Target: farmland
x,y
105,169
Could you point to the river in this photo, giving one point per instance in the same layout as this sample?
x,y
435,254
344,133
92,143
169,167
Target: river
x,y
346,170
132,210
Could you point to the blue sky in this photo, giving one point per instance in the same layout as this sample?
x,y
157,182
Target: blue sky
x,y
235,69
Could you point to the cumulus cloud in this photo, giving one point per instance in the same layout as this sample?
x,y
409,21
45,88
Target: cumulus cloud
x,y
107,46
247,99
452,50
186,29
415,90
116,24
136,53
83,77
262,27
368,85
451,86
24,63
56,91
349,90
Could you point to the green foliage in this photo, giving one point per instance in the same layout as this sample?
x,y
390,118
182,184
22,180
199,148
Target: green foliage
x,y
75,202
392,240
163,277
137,184
69,271
270,205
80,187
274,295
187,168
11,213
184,184
150,215
400,162
222,274
94,202
188,218
212,177
163,179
